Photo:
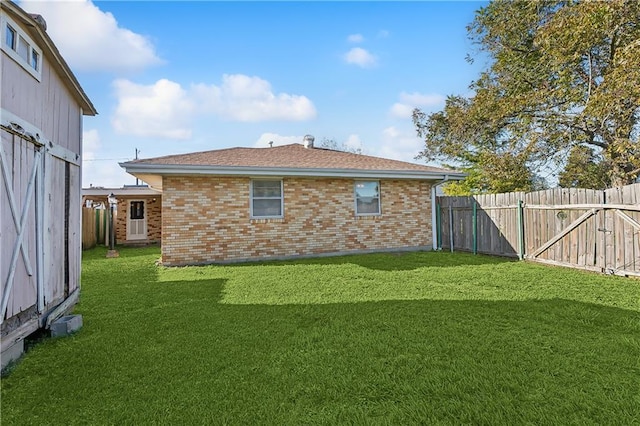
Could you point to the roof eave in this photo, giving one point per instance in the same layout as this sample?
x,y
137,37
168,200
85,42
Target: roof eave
x,y
173,169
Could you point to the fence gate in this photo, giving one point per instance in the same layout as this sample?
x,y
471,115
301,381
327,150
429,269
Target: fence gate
x,y
583,228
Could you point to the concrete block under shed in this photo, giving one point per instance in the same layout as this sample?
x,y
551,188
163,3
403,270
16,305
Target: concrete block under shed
x,y
11,352
66,325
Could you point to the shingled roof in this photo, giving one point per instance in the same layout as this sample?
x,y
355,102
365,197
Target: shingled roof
x,y
285,160
287,156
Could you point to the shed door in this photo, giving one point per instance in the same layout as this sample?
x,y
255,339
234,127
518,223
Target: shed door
x,y
20,163
137,220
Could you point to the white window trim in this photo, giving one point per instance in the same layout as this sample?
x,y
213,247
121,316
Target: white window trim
x,y
4,21
267,198
355,198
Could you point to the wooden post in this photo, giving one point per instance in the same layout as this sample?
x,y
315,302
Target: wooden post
x,y
97,220
520,230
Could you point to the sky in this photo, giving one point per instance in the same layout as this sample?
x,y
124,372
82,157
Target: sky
x,y
171,77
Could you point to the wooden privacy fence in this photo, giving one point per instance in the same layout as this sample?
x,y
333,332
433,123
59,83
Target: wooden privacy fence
x,y
583,228
95,227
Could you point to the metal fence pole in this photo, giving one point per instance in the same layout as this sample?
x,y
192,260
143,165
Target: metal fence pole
x,y
520,230
475,227
451,228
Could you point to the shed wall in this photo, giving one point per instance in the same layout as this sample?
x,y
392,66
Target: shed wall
x,y
207,219
46,104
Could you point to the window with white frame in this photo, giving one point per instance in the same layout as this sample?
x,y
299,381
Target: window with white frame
x,y
367,197
19,46
267,198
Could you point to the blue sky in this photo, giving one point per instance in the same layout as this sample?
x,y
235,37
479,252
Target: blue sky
x,y
174,77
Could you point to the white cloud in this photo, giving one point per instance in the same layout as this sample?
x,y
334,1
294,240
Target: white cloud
x,y
409,101
90,39
162,110
400,145
383,34
166,110
90,144
251,99
399,110
354,142
97,171
355,38
360,57
265,138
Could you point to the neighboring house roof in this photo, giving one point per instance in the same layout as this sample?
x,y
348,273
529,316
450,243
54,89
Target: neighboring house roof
x,y
286,160
36,28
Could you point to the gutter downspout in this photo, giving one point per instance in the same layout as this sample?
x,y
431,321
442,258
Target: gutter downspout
x,y
433,211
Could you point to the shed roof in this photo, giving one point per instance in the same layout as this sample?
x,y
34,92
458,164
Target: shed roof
x,y
285,160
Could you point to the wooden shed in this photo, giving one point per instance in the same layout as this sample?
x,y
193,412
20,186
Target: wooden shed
x,y
42,108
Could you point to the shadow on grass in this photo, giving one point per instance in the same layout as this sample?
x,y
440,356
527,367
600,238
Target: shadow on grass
x,y
393,261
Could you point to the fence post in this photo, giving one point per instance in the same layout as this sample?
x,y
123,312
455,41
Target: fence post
x,y
475,227
520,230
438,227
97,220
451,228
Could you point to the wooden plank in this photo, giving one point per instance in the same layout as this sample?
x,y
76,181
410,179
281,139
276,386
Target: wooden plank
x,y
559,226
577,235
46,104
75,232
584,206
568,229
564,264
548,230
54,226
630,229
581,246
629,220
609,233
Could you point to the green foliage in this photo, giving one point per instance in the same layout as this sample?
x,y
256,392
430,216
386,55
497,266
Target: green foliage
x,y
584,169
413,338
495,173
561,74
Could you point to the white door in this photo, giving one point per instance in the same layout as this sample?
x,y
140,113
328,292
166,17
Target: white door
x,y
136,220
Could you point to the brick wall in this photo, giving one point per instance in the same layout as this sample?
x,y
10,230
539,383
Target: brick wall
x,y
207,219
153,213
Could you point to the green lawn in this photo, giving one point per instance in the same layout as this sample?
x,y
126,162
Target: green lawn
x,y
415,338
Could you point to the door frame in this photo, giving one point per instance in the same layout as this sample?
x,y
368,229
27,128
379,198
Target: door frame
x,y
136,237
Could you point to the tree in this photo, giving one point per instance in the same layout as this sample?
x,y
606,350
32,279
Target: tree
x,y
584,169
561,74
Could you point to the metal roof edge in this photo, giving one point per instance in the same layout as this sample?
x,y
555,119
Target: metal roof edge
x,y
174,169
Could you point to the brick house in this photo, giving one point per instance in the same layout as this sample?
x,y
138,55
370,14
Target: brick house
x,y
242,204
138,212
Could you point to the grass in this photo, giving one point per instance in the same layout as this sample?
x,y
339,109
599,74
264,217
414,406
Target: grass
x,y
416,338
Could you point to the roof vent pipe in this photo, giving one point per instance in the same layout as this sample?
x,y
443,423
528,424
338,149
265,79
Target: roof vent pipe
x,y
308,141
